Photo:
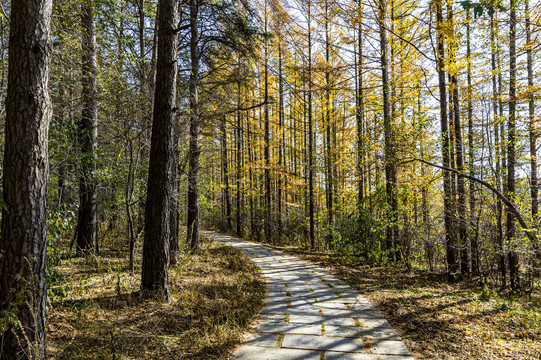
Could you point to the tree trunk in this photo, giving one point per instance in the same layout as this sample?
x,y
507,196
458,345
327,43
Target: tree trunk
x,y
87,228
281,155
225,169
128,196
62,168
238,139
250,176
174,219
268,212
328,130
310,135
142,62
503,157
531,118
155,276
23,242
390,171
452,263
359,114
511,140
461,189
498,141
194,151
429,242
473,239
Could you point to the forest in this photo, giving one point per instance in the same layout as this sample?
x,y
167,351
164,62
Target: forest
x,y
389,139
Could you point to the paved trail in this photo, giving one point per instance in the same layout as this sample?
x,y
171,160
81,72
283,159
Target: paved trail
x,y
309,314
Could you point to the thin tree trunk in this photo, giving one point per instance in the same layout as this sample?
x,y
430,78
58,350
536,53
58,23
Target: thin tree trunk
x,y
359,114
174,218
429,242
268,212
144,86
281,155
452,263
194,151
142,42
128,195
511,140
329,142
473,239
393,231
461,189
239,163
387,126
499,150
531,117
225,170
87,228
250,175
310,134
61,184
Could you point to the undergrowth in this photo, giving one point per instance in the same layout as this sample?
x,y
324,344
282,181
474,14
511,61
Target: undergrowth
x,y
94,312
438,320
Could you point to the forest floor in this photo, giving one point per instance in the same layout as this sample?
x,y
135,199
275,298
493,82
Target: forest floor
x,y
438,320
95,312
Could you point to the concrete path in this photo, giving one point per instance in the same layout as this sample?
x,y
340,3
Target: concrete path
x,y
309,314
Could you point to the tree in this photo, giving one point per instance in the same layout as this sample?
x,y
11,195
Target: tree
x,y
268,204
453,92
511,133
498,139
471,148
195,125
531,118
390,167
23,288
155,276
225,173
230,32
452,262
311,136
359,113
87,227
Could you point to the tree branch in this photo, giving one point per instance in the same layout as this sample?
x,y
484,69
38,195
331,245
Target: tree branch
x,y
510,207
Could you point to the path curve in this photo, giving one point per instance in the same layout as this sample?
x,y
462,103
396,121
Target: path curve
x,y
309,314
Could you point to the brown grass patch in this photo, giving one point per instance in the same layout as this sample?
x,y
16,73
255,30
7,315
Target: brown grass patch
x,y
438,320
215,294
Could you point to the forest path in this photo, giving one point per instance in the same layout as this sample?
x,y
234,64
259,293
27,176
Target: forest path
x,y
309,314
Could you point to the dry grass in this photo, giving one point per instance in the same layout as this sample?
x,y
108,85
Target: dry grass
x,y
442,321
214,296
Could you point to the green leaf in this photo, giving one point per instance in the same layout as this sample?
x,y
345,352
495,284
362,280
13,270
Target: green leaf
x,y
467,4
478,10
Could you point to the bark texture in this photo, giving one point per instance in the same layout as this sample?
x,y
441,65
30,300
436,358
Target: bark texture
x,y
268,205
225,173
23,288
87,228
452,256
390,170
155,278
531,117
511,131
194,151
311,135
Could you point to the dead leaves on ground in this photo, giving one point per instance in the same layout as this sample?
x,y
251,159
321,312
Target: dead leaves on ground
x,y
442,321
214,296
